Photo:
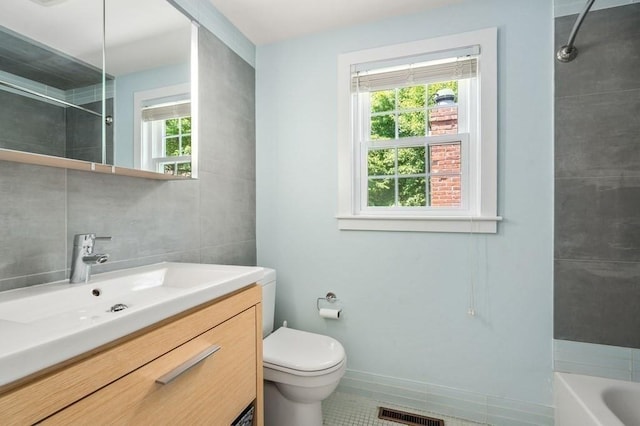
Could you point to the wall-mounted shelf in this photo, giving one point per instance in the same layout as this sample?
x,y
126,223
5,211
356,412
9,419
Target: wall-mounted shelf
x,y
70,164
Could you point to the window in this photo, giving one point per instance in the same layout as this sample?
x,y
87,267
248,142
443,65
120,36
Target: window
x,y
417,147
411,143
165,137
166,132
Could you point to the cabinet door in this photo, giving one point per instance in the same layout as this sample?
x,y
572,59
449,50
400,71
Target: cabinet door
x,y
212,392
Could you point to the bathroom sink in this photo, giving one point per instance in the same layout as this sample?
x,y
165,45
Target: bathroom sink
x,y
49,323
65,303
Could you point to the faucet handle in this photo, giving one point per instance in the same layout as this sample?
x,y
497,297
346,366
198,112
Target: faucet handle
x,y
103,238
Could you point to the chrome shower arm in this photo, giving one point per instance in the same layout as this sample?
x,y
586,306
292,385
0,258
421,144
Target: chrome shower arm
x,y
568,52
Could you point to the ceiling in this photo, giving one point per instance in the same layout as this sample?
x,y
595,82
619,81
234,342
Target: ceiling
x,y
163,34
268,21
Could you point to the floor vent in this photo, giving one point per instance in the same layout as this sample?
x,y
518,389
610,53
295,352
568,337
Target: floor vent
x,y
407,418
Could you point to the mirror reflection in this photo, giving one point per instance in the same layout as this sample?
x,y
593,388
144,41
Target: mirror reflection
x,y
51,95
54,76
149,55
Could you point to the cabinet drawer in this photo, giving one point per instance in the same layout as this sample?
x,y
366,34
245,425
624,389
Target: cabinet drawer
x,y
212,392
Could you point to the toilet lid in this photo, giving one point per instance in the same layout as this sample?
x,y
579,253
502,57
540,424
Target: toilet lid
x,y
301,350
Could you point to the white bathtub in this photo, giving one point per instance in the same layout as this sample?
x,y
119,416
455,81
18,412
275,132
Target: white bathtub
x,y
595,401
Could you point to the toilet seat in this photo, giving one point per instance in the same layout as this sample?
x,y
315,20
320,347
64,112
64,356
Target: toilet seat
x,y
280,376
291,371
302,353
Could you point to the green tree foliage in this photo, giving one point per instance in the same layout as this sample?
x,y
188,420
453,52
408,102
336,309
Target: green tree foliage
x,y
178,142
400,113
178,136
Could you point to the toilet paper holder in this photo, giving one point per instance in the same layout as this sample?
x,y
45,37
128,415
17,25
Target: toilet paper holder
x,y
330,297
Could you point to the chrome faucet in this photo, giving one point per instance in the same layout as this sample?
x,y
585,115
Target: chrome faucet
x,y
84,257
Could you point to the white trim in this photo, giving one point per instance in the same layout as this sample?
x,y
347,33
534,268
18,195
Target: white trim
x,y
464,224
482,173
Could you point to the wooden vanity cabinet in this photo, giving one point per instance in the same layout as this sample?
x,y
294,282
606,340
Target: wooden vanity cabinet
x,y
214,391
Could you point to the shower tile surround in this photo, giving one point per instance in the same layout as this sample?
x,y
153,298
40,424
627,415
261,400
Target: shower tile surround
x,y
210,220
613,362
55,129
45,135
80,124
597,187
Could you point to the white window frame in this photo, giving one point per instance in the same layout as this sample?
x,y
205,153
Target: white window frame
x,y
153,135
145,134
361,145
479,210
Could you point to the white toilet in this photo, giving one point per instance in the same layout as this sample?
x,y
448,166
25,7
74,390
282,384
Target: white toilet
x,y
300,369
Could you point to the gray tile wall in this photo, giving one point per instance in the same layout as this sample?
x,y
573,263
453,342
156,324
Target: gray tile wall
x,y
209,220
84,133
52,129
597,180
45,133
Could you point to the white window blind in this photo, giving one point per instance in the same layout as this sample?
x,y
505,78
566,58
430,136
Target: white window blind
x,y
166,111
422,73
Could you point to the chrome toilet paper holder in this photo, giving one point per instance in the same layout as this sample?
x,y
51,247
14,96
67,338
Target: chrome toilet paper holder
x,y
330,297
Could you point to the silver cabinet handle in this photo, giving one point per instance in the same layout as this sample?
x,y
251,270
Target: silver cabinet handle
x,y
166,378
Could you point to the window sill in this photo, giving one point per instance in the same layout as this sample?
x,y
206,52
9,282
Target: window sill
x,y
477,224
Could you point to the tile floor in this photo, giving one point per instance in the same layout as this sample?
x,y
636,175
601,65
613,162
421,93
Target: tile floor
x,y
345,409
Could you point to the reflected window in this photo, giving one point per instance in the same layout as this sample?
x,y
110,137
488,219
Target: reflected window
x,y
166,137
167,134
176,143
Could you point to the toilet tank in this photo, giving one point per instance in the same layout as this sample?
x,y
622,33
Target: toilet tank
x,y
268,283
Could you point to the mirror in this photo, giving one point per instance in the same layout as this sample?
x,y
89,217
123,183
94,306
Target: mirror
x,y
63,96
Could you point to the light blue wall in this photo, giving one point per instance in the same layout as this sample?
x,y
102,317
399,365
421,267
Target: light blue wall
x,y
209,17
126,86
405,295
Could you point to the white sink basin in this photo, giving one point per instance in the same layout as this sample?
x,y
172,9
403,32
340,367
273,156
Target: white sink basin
x,y
46,324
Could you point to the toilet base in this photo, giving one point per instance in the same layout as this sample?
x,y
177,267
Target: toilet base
x,y
279,411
